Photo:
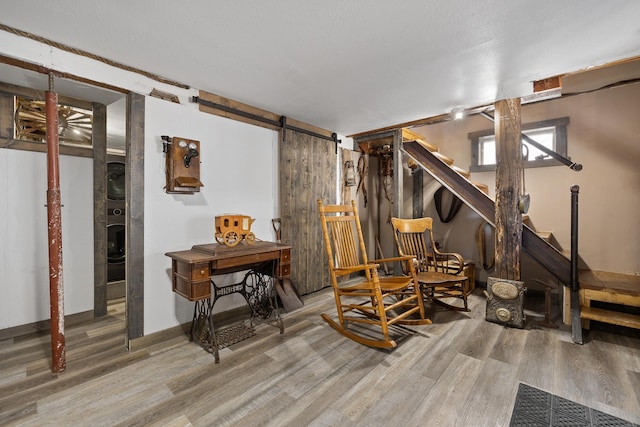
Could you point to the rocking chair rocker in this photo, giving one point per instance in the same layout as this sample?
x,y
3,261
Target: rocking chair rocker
x,y
374,303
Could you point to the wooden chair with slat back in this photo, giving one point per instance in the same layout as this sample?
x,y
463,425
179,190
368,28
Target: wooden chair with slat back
x,y
438,272
367,308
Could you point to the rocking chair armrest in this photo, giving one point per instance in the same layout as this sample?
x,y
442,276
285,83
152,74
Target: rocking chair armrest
x,y
392,259
348,270
456,264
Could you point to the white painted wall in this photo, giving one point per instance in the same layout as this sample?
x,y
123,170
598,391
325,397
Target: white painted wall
x,y
24,258
238,173
237,169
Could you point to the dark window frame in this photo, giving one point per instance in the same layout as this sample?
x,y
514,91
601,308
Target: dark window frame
x,y
560,125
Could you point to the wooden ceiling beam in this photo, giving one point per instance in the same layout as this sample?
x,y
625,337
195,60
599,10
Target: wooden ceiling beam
x,y
43,70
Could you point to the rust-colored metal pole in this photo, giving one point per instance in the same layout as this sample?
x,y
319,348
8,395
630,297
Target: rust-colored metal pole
x,y
54,217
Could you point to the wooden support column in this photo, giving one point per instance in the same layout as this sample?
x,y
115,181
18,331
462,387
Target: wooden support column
x,y
508,184
134,216
398,185
100,236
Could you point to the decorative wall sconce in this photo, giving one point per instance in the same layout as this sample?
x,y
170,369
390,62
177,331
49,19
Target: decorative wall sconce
x,y
182,165
349,174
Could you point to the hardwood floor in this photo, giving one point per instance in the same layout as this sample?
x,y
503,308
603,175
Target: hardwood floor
x,y
459,371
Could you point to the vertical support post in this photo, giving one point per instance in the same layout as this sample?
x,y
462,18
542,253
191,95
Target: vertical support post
x,y
508,184
54,217
418,192
100,235
134,222
576,322
398,184
574,237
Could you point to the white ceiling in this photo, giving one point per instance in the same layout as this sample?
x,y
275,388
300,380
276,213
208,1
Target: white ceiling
x,y
345,65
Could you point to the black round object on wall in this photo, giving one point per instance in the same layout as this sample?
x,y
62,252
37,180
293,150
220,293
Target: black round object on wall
x,y
115,243
115,181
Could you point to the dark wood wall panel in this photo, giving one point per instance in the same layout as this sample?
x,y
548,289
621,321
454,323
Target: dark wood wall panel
x,y
134,182
6,115
307,172
99,140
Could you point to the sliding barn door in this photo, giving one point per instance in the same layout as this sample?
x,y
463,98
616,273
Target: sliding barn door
x,y
307,172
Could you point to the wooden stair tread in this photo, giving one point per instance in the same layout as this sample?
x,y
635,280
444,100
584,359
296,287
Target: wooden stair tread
x,y
428,146
461,171
612,317
483,187
409,135
545,235
447,160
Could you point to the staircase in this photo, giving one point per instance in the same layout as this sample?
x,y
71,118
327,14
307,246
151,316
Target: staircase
x,y
620,292
477,199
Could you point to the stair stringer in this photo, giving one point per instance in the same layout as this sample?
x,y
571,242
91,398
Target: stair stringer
x,y
540,250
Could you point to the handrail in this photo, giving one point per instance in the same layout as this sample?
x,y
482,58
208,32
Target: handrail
x,y
567,162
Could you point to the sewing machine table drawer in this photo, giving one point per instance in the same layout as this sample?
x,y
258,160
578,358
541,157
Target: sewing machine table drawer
x,y
285,270
194,271
193,291
285,255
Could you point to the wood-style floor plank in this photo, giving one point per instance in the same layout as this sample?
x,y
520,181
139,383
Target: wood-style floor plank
x,y
491,397
459,371
537,361
445,397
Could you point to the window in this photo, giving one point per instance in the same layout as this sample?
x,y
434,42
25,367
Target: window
x,y
74,124
551,134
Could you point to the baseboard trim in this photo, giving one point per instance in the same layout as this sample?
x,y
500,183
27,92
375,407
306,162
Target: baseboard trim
x,y
135,344
145,341
44,325
222,318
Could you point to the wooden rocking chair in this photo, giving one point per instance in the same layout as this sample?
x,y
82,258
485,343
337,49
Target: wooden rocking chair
x,y
373,303
438,272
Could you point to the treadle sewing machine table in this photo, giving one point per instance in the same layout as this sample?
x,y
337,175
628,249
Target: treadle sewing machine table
x,y
191,277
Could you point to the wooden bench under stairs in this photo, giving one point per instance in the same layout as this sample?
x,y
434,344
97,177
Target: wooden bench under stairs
x,y
620,292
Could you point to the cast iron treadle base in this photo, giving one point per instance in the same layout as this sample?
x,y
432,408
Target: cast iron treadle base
x,y
235,333
226,336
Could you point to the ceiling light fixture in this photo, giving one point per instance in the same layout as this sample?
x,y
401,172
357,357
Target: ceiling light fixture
x,y
457,113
